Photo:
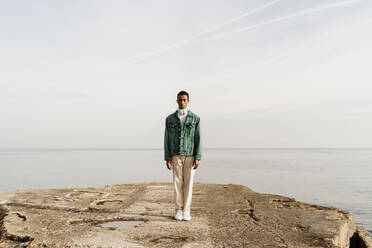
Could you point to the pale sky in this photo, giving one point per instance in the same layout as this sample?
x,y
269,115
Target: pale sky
x,y
260,73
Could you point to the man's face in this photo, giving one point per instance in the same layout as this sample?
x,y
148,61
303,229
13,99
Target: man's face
x,y
182,101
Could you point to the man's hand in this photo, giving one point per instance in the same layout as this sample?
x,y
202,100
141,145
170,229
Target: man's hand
x,y
196,164
169,164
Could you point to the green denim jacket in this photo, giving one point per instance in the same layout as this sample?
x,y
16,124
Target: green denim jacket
x,y
182,139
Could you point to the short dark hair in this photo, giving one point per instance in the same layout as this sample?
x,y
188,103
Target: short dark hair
x,y
181,93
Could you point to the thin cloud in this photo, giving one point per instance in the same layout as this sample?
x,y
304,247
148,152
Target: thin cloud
x,y
283,18
201,34
196,38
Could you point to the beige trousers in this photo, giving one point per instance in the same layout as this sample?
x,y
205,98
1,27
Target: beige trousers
x,y
183,176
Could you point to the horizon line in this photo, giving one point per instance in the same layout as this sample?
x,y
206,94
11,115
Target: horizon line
x,y
157,148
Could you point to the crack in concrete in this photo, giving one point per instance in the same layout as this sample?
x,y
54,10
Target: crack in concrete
x,y
251,212
23,217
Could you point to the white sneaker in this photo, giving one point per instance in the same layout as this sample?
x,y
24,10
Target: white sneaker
x,y
186,215
178,215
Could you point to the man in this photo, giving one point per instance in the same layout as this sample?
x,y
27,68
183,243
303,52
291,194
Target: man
x,y
182,152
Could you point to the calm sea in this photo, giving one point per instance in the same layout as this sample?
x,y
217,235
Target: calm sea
x,y
330,177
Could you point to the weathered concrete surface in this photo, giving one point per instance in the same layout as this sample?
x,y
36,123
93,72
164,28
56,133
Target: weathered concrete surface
x,y
222,216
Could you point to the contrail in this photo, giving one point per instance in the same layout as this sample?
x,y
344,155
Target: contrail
x,y
185,42
276,20
280,19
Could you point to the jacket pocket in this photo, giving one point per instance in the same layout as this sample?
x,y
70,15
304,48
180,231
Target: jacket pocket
x,y
172,126
190,129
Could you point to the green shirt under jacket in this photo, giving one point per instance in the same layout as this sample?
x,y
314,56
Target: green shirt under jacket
x,y
182,139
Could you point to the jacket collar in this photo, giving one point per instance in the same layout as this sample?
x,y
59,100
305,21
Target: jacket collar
x,y
189,113
187,109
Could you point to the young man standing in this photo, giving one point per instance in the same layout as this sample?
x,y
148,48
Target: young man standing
x,y
182,153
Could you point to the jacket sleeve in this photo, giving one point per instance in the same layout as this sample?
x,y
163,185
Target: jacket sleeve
x,y
197,142
167,155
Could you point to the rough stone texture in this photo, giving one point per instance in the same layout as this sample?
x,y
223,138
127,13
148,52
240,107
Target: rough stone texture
x,y
222,216
2,216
